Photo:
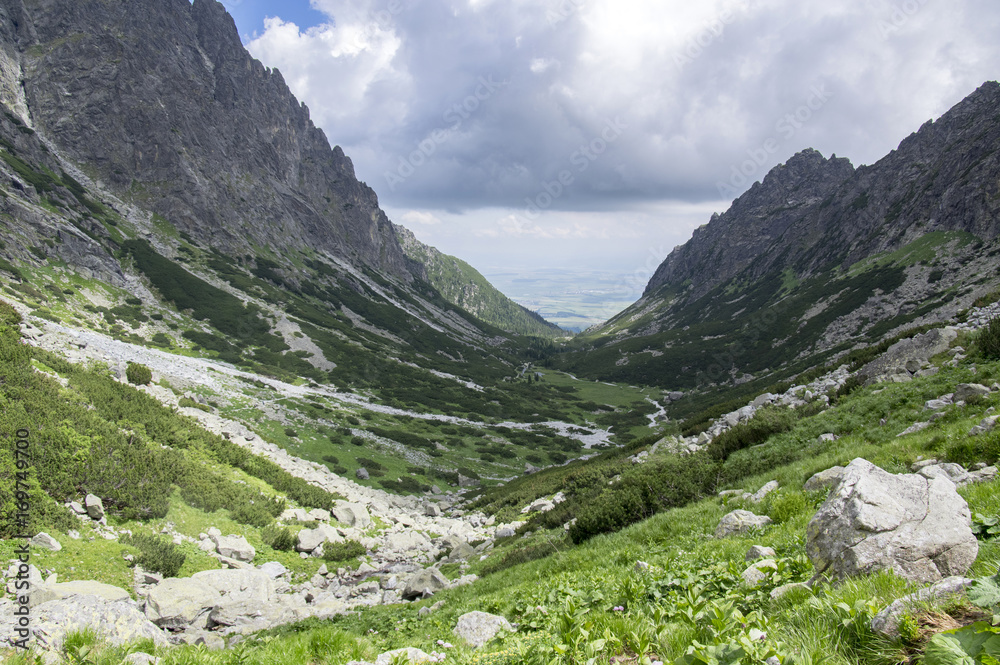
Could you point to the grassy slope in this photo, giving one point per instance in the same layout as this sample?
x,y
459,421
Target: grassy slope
x,y
464,286
589,597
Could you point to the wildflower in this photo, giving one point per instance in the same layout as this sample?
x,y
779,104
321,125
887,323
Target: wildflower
x,y
618,608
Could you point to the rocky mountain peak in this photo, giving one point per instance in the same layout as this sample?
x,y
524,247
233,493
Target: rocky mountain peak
x,y
163,100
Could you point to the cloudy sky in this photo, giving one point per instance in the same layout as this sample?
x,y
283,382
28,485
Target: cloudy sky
x,y
602,132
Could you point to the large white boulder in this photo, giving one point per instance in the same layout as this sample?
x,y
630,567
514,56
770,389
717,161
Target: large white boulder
x,y
873,520
478,628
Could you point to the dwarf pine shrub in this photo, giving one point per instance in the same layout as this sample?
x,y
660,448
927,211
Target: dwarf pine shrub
x,y
138,374
988,341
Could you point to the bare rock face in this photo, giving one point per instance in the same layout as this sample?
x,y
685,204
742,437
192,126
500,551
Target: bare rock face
x,y
873,520
161,96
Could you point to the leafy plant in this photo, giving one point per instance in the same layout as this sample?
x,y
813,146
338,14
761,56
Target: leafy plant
x,y
345,551
985,527
988,340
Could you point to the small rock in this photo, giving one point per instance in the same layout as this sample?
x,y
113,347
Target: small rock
x,y
914,428
361,473
823,479
411,654
758,572
828,437
759,495
740,521
94,506
272,569
46,542
778,592
887,621
759,552
641,567
920,464
77,508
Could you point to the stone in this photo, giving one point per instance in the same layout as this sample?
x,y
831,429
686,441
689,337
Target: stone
x,y
758,572
823,479
640,567
272,569
361,473
827,438
77,508
478,628
424,583
914,428
541,506
956,473
505,532
920,464
94,506
107,592
740,521
966,391
759,495
176,602
141,658
779,591
46,542
759,552
431,509
887,621
873,520
234,547
936,404
319,515
352,514
412,655
891,365
117,622
461,552
986,425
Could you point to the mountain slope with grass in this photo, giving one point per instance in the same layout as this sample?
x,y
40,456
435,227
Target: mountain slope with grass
x,y
815,259
464,286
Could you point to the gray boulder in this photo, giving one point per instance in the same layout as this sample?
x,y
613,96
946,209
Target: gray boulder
x,y
272,569
45,542
352,514
759,552
759,571
176,602
478,628
824,479
424,583
362,473
966,391
759,495
740,521
94,506
873,520
413,655
234,547
118,622
505,532
887,621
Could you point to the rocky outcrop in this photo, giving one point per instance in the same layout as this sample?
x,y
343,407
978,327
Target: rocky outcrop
x,y
915,526
906,357
161,97
118,621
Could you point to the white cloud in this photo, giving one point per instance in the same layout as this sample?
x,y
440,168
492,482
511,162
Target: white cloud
x,y
422,218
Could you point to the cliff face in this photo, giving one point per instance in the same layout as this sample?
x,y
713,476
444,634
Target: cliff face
x,y
159,100
813,212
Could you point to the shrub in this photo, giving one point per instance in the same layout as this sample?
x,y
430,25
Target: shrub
x,y
786,505
345,551
988,341
278,538
156,554
291,433
758,429
357,440
187,402
138,374
258,514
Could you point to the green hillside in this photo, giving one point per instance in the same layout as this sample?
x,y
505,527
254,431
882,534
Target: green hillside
x,y
463,285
